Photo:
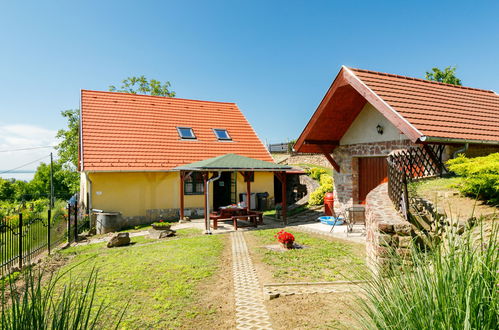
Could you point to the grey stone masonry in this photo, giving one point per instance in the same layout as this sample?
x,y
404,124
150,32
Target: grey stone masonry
x,y
388,234
346,182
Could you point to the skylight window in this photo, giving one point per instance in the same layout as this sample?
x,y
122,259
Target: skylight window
x,y
186,133
222,134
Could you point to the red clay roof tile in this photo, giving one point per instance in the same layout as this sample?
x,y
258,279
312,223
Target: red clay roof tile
x,y
129,132
438,110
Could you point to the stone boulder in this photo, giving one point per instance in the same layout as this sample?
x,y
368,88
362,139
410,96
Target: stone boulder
x,y
120,239
158,234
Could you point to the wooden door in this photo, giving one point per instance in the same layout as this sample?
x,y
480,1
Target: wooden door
x,y
372,172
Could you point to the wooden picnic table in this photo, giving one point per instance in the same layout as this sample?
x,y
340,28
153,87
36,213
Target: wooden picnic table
x,y
234,214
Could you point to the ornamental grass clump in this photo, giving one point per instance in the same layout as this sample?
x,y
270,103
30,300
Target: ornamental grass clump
x,y
34,303
455,286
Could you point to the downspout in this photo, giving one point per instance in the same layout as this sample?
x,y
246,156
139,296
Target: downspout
x,y
207,216
460,151
89,201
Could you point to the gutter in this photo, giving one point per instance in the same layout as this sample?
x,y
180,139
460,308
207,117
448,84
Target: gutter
x,y
207,215
429,139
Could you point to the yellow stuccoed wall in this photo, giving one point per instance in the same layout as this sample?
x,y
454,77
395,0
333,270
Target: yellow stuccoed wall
x,y
132,193
264,182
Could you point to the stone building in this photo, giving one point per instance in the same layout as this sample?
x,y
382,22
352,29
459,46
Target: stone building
x,y
366,115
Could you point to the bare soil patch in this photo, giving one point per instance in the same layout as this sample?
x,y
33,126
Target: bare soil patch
x,y
217,296
314,311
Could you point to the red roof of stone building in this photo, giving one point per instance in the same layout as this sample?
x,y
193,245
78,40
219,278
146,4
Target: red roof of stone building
x,y
129,132
423,110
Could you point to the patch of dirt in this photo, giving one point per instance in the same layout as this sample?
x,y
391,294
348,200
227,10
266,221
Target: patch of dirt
x,y
314,311
305,311
456,206
280,248
217,297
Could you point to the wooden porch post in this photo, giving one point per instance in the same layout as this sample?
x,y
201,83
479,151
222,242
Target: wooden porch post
x,y
247,179
205,189
281,176
284,199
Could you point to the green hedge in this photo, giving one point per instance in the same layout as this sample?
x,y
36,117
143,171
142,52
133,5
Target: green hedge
x,y
316,172
480,176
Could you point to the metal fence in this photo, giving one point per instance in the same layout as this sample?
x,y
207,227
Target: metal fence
x,y
26,235
408,165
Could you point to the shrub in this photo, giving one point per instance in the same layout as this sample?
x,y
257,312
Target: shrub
x,y
316,172
480,176
317,197
453,287
161,223
325,179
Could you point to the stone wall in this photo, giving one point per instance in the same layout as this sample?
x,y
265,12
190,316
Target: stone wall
x,y
387,232
346,182
316,159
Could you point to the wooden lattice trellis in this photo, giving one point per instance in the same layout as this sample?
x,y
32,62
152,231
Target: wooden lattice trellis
x,y
408,165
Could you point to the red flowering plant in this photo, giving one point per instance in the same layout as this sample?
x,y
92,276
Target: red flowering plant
x,y
285,238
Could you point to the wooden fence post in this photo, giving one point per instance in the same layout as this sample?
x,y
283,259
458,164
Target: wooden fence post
x,y
69,223
20,241
405,195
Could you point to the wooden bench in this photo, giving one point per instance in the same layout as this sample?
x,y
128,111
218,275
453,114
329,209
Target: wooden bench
x,y
255,218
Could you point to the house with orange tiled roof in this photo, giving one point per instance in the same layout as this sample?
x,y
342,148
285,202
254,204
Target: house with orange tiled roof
x,y
132,146
367,115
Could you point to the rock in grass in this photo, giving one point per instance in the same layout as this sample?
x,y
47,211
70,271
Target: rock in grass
x,y
158,234
120,239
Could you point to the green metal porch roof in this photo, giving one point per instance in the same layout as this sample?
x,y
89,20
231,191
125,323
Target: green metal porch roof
x,y
232,162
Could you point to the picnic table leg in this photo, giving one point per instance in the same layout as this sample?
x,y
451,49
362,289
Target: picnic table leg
x,y
235,222
215,224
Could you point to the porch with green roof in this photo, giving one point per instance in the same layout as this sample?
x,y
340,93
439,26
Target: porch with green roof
x,y
230,162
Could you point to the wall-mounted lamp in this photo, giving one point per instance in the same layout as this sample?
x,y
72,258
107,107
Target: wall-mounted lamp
x,y
379,128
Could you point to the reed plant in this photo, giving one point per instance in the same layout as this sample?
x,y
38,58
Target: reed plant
x,y
56,302
454,286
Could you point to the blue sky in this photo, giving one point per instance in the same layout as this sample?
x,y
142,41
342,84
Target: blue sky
x,y
275,59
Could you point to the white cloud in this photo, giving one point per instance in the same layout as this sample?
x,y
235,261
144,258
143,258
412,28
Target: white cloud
x,y
22,136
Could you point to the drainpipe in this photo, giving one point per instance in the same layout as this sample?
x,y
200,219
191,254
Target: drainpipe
x,y
207,216
89,201
460,151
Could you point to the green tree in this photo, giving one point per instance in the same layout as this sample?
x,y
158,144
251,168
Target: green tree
x,y
142,85
65,181
447,76
6,189
67,149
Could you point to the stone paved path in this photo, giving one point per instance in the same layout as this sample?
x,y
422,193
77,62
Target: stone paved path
x,y
250,309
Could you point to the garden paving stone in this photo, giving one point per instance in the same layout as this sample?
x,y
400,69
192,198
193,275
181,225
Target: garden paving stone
x,y
251,312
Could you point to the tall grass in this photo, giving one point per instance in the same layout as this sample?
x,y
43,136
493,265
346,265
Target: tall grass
x,y
33,303
455,286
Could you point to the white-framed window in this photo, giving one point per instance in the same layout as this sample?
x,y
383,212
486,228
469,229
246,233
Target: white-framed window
x,y
186,133
222,134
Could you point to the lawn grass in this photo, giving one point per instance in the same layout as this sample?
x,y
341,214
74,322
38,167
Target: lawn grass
x,y
158,278
296,210
321,259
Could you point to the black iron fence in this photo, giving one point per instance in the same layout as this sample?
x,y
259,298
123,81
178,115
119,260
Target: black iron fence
x,y
25,235
408,165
